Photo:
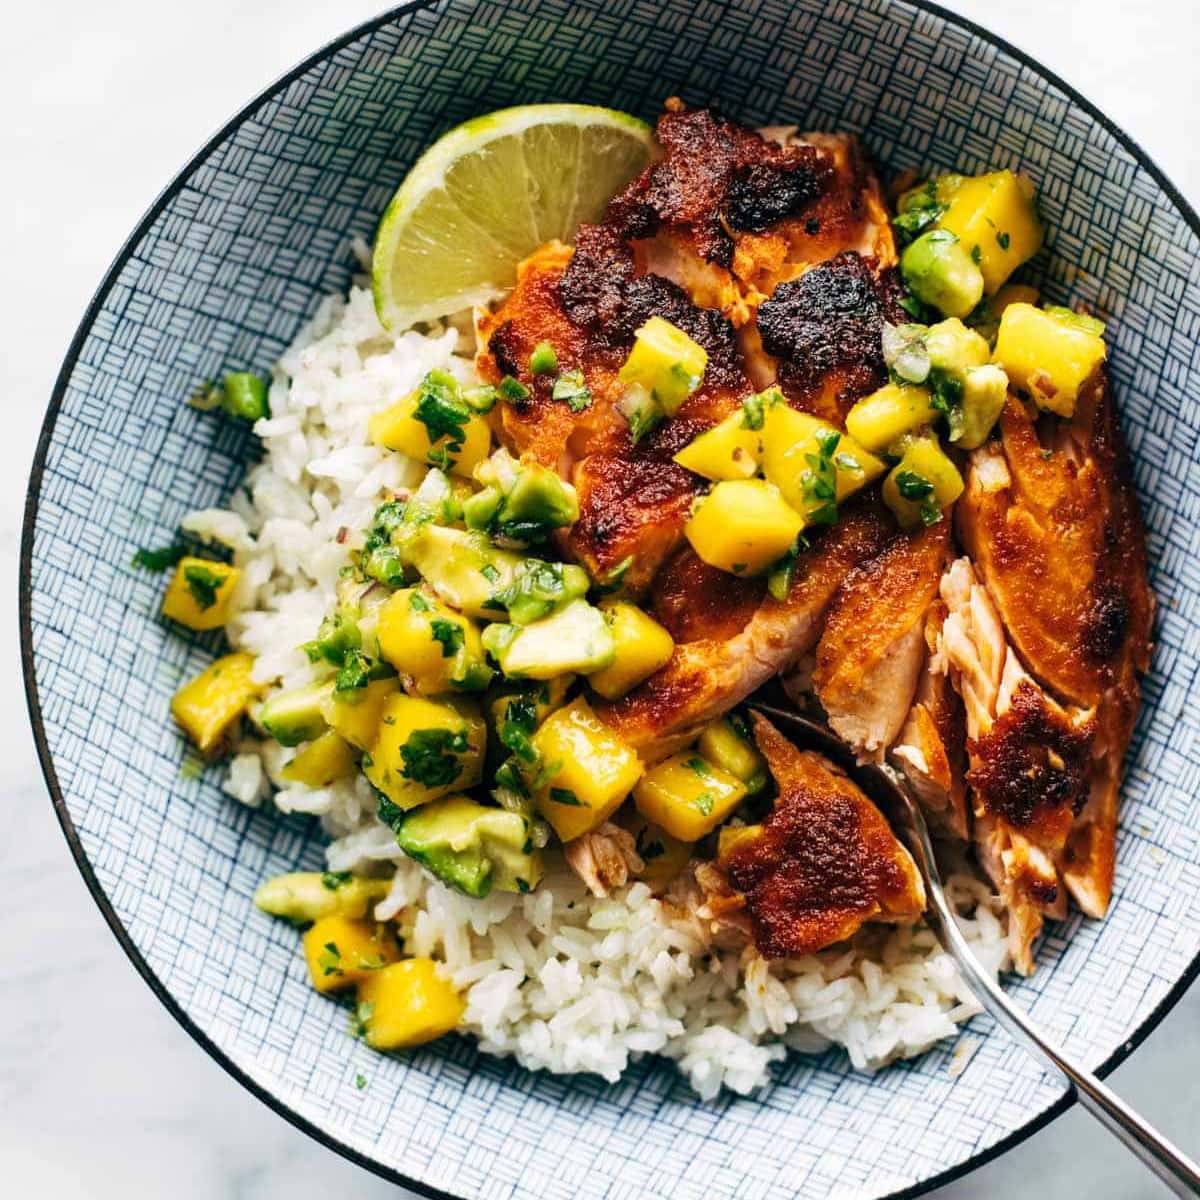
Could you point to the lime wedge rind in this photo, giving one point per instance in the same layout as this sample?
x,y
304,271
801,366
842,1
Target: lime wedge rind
x,y
488,193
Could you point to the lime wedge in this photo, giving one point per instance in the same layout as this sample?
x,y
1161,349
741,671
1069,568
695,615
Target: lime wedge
x,y
490,192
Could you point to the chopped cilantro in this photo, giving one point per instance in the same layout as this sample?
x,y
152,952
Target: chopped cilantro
x,y
203,585
363,1012
360,1081
912,486
329,960
449,634
332,880
565,796
1003,239
704,802
489,573
818,484
976,254
430,756
613,580
442,410
753,411
418,603
570,388
520,720
158,560
700,767
390,814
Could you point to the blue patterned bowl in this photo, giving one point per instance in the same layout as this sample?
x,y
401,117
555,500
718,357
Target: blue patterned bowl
x,y
221,272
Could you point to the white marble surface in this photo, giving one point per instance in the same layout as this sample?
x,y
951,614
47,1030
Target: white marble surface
x,y
102,1095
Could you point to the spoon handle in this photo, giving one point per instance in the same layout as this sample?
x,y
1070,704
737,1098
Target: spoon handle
x,y
1172,1166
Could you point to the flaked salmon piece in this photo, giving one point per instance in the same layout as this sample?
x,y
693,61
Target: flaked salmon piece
x,y
1029,760
1050,518
931,749
873,646
604,859
823,862
708,676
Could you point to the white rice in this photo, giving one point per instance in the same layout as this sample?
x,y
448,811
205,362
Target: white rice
x,y
558,979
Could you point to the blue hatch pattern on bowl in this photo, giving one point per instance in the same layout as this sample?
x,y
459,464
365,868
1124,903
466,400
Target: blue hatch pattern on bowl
x,y
240,253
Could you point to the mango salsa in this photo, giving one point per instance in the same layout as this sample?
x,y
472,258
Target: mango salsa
x,y
356,715
434,425
200,593
321,762
407,1004
877,420
743,526
207,707
729,450
996,213
791,440
641,644
341,951
922,485
1050,355
666,362
425,749
688,796
587,770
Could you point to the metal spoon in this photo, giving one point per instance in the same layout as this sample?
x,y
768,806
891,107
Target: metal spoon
x,y
888,787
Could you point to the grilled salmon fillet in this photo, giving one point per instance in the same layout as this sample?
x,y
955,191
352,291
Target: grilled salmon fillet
x,y
1051,521
873,645
1029,757
825,861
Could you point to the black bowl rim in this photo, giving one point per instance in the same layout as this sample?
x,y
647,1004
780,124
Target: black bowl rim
x,y
25,601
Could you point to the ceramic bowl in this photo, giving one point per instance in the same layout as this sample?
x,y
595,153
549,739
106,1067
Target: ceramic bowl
x,y
238,251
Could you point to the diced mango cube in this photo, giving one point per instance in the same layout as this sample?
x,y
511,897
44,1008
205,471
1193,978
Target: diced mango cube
x,y
743,526
341,951
791,439
996,213
733,836
922,485
666,362
356,715
200,593
729,450
588,770
877,420
1048,355
407,1004
207,707
688,796
423,637
642,646
425,749
321,762
397,428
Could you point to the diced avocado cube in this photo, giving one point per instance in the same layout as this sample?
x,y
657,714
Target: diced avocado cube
x,y
464,568
955,348
479,510
305,896
338,636
666,362
985,390
296,716
728,747
940,272
470,846
538,502
244,395
574,639
537,588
